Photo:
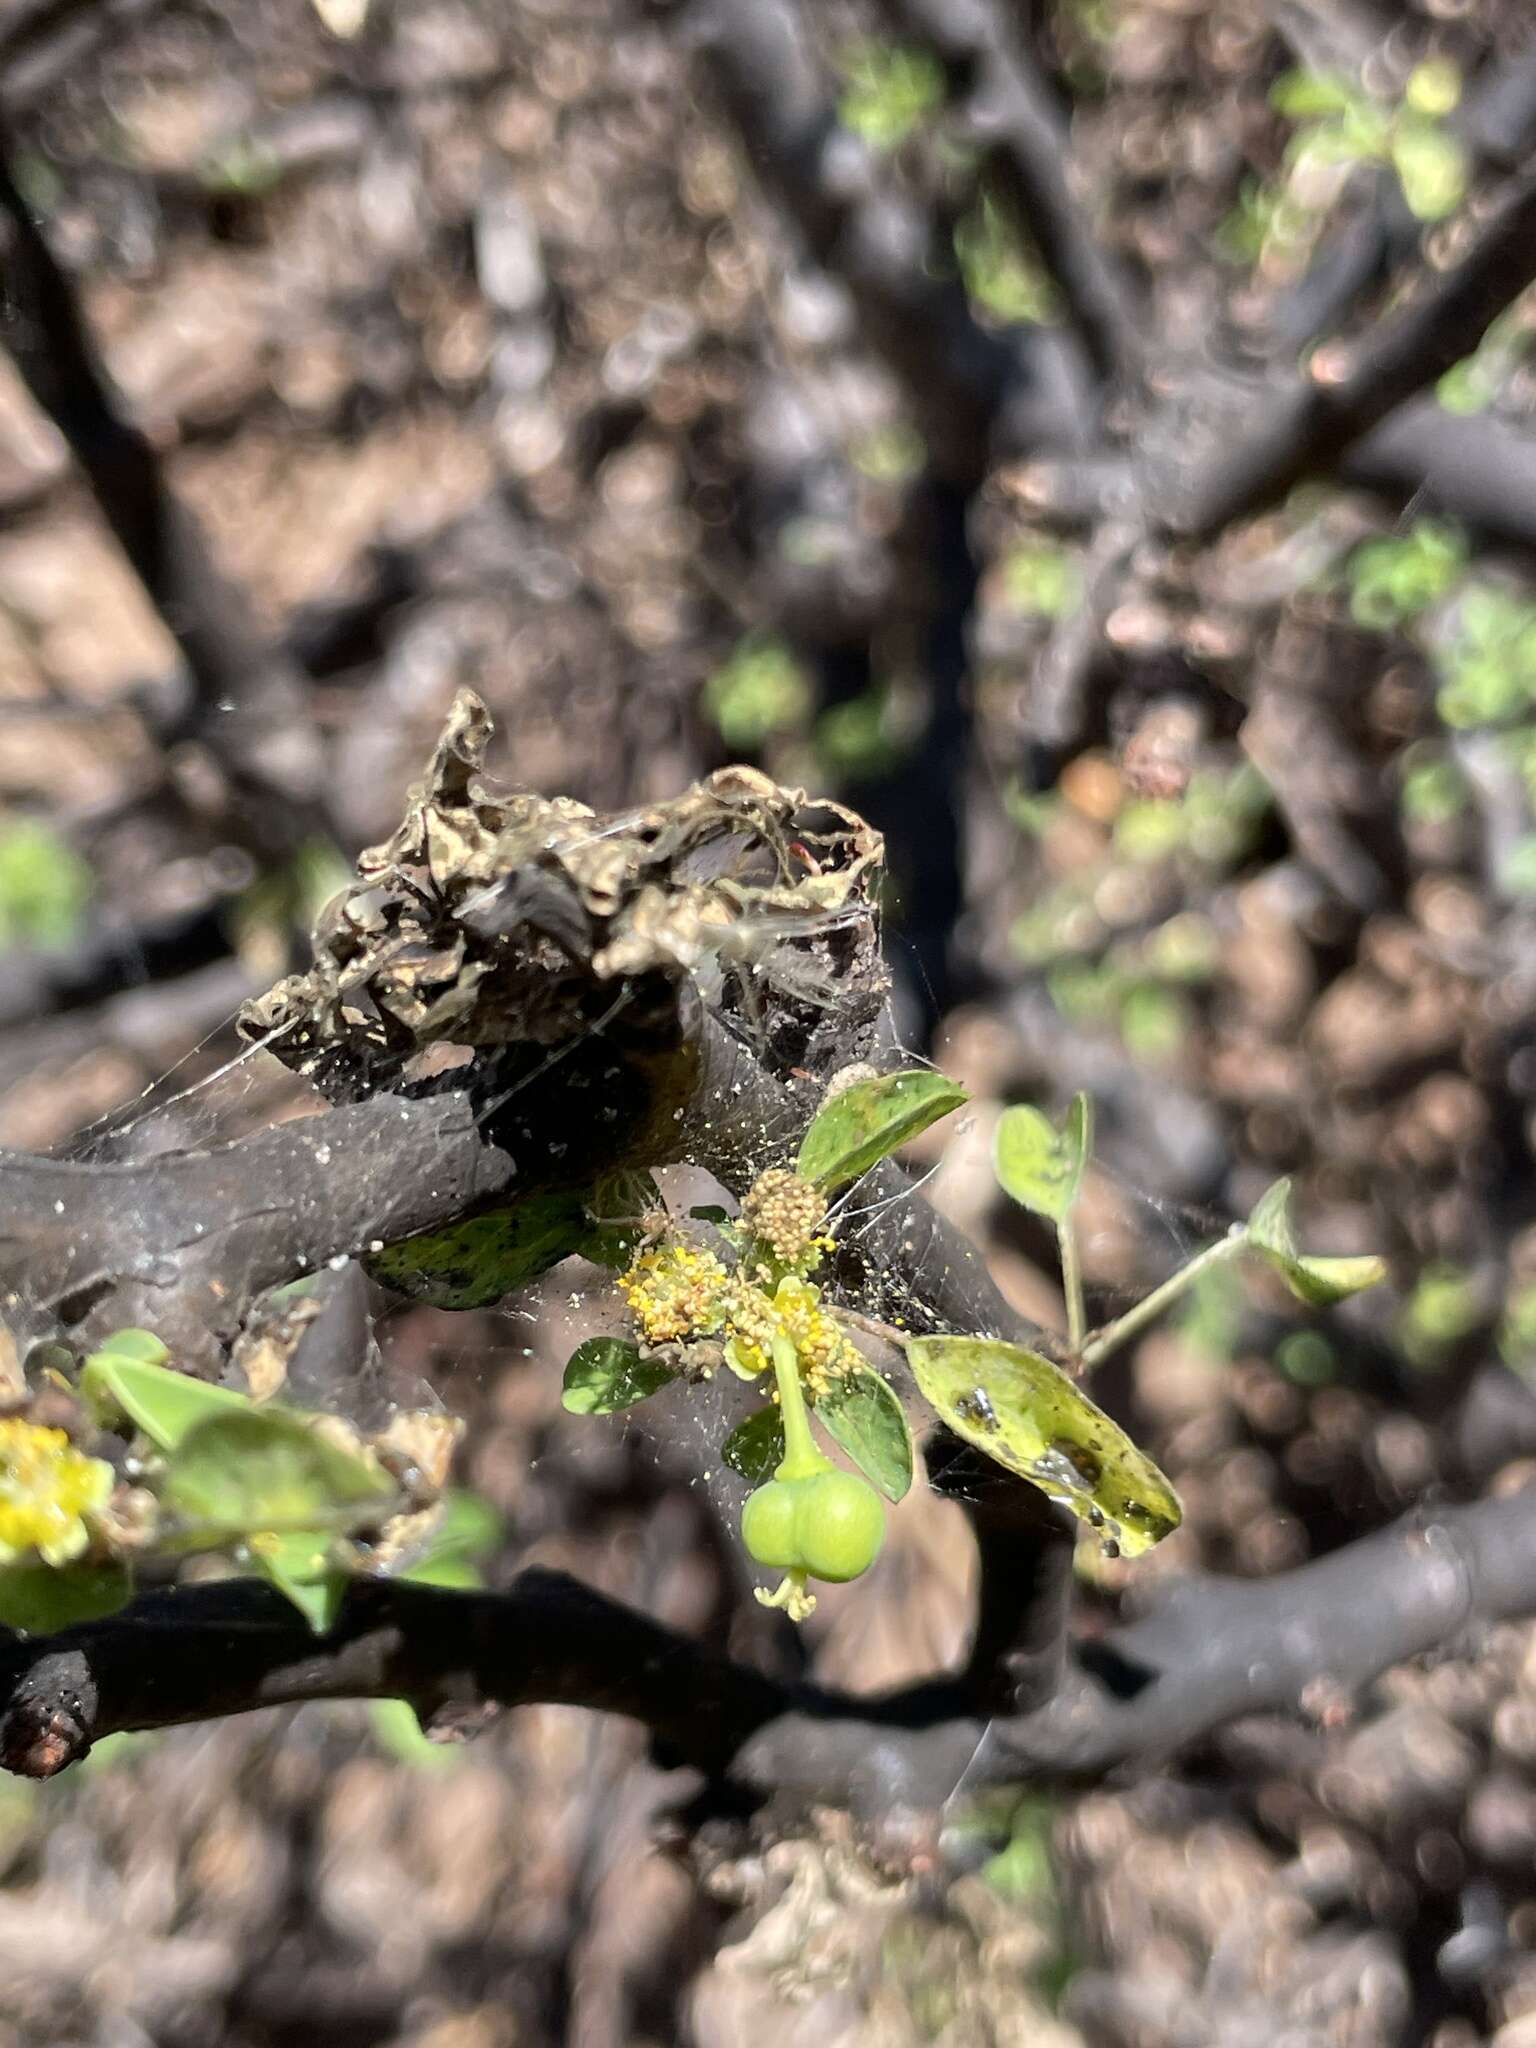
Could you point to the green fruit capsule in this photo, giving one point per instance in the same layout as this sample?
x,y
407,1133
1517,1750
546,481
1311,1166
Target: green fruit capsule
x,y
768,1525
839,1526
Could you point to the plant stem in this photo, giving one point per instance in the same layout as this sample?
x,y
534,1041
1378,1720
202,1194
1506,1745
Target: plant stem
x,y
801,1456
1113,1335
1072,1286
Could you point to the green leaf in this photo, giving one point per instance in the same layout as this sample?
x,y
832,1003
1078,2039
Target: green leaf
x,y
1040,1166
607,1373
1027,1415
864,1418
143,1345
163,1403
397,1728
267,1470
469,1528
299,1565
479,1260
1319,1281
40,1599
1304,95
755,1448
1431,167
868,1121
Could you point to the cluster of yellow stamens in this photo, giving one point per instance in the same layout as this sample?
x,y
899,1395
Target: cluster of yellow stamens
x,y
784,1212
47,1489
677,1292
793,1311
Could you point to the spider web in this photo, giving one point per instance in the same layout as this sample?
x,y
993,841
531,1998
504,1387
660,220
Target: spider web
x,y
217,1091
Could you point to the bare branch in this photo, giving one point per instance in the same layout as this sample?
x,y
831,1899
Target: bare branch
x,y
247,703
1211,1651
1007,109
956,374
1251,443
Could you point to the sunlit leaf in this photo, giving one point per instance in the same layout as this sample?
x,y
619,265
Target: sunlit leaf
x,y
165,1404
1431,166
1028,1416
1305,95
1318,1281
479,1260
755,1448
266,1470
864,1418
299,1565
1040,1166
607,1373
870,1120
40,1599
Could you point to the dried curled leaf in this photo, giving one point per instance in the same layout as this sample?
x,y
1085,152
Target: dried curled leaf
x,y
1025,1413
496,918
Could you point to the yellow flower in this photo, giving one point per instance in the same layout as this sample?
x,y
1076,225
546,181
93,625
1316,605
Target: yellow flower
x,y
47,1489
676,1293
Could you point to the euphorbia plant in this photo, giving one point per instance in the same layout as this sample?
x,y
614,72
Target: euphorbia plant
x,y
709,1292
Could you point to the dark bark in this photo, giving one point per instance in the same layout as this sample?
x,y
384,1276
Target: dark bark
x,y
1211,1651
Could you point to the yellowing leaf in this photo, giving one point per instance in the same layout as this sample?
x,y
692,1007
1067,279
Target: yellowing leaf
x,y
1025,1413
868,1121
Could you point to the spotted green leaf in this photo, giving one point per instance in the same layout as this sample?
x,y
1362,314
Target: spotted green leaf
x,y
755,1448
41,1599
124,1380
868,1121
1040,1166
268,1471
607,1373
1028,1416
1318,1281
479,1260
863,1418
